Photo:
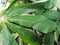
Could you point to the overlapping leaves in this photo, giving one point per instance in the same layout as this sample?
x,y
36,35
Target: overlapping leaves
x,y
7,38
23,24
24,34
45,26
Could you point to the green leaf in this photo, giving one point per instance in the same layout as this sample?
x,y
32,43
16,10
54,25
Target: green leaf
x,y
0,26
24,33
7,38
54,15
32,5
45,26
27,20
23,9
49,39
18,11
39,12
12,4
25,6
58,27
49,4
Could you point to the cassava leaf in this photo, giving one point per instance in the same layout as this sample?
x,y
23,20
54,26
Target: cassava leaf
x,y
24,7
58,27
49,39
39,12
19,11
27,20
54,15
32,5
7,38
24,34
12,4
45,26
49,4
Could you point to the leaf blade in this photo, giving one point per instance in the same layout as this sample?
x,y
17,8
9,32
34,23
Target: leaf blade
x,y
27,20
49,37
51,14
23,34
45,26
7,37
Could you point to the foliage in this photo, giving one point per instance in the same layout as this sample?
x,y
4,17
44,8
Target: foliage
x,y
30,22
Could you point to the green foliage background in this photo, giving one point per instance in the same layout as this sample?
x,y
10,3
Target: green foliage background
x,y
30,22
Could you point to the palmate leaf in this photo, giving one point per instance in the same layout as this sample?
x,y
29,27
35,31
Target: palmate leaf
x,y
49,39
24,34
27,20
51,14
7,38
17,22
45,26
